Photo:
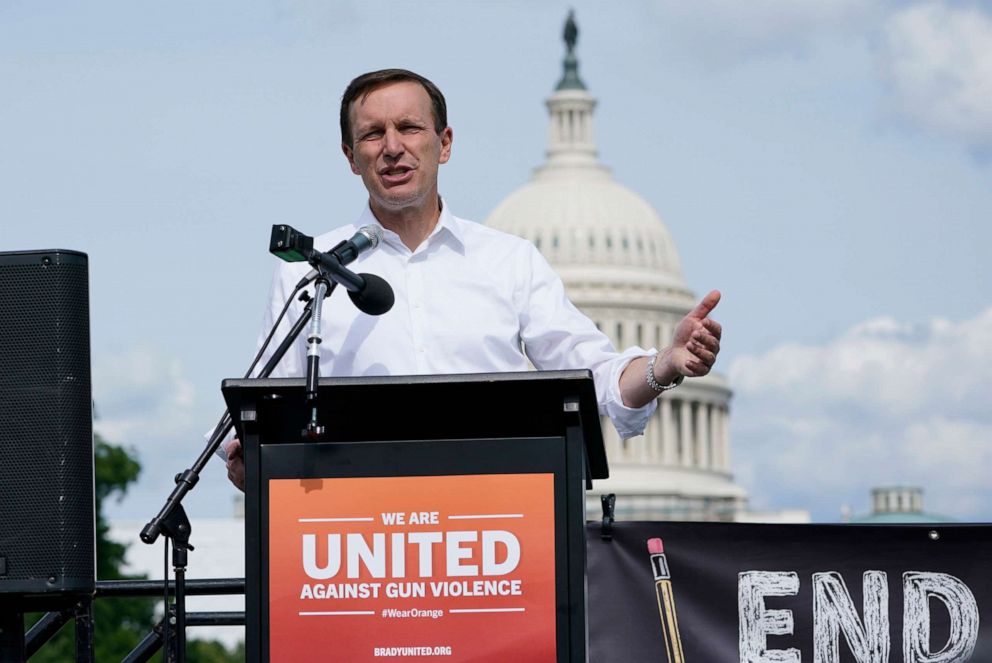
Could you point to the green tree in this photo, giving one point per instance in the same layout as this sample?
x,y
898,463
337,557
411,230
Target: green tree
x,y
119,623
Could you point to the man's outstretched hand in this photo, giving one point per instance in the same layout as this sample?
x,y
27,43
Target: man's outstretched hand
x,y
696,341
695,345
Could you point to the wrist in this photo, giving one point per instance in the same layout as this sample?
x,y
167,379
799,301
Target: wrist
x,y
661,375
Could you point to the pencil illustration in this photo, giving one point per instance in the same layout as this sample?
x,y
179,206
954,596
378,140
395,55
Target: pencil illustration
x,y
666,602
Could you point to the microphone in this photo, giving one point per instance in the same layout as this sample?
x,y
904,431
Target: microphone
x,y
370,293
375,298
366,239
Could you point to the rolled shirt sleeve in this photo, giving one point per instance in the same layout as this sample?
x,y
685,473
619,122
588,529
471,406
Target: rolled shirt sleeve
x,y
556,335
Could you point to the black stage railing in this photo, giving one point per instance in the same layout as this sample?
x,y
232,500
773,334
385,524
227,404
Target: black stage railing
x,y
162,634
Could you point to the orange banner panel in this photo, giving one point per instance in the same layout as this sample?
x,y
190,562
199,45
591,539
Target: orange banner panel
x,y
457,568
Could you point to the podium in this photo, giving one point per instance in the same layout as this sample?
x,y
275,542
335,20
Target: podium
x,y
439,516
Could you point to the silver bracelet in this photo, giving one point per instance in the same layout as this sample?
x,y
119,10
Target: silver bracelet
x,y
653,383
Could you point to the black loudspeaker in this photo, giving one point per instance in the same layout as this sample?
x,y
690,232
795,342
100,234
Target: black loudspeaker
x,y
47,534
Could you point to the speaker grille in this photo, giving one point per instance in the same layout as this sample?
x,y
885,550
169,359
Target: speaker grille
x,y
46,431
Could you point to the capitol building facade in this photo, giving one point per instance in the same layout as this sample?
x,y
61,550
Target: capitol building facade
x,y
622,269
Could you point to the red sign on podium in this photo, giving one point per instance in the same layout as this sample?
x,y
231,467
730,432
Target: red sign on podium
x,y
457,568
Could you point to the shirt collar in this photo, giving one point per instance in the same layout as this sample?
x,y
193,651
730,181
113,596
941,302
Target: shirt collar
x,y
448,227
450,224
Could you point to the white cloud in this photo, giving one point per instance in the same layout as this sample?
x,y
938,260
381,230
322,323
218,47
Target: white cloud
x,y
933,57
883,366
884,403
146,403
937,61
141,394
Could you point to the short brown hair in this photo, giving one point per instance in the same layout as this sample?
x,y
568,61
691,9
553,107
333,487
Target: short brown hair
x,y
366,83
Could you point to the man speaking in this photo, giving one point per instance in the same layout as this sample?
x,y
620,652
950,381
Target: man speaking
x,y
469,299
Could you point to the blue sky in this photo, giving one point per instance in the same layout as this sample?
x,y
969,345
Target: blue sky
x,y
825,163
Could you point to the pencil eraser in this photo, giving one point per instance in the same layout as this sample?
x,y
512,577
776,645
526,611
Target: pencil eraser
x,y
655,546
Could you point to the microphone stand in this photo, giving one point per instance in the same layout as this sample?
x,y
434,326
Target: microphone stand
x,y
172,520
313,431
330,272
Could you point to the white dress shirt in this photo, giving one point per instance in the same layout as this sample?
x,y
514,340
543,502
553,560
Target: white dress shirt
x,y
469,299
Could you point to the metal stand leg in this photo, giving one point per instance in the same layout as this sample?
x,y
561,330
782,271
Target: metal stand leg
x,y
176,526
84,631
11,636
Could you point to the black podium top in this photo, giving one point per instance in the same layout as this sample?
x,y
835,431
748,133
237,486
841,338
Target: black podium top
x,y
465,406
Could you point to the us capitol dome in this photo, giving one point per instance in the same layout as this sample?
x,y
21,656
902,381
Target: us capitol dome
x,y
620,266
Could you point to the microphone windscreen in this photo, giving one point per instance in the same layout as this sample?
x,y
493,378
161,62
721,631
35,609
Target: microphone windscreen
x,y
375,298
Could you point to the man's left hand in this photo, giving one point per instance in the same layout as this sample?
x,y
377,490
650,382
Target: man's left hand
x,y
696,341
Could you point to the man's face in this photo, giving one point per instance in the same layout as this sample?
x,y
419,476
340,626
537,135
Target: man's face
x,y
396,149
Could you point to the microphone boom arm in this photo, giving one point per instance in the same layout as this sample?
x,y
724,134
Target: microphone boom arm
x,y
328,264
186,480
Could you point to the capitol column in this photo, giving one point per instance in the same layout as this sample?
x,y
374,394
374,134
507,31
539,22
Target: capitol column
x,y
705,454
668,443
685,418
716,434
726,439
645,451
